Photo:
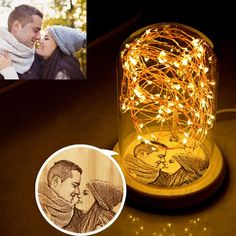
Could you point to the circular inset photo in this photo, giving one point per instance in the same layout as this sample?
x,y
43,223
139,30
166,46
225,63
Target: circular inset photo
x,y
80,190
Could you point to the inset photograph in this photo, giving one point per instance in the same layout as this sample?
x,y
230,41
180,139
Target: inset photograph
x,y
80,190
43,39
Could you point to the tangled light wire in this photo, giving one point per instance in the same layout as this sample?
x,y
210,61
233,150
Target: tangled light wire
x,y
168,82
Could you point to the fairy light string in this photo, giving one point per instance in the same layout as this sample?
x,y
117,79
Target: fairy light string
x,y
168,82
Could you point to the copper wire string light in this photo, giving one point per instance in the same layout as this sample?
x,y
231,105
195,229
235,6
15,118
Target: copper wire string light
x,y
168,83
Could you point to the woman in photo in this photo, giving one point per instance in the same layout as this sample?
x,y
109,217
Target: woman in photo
x,y
181,169
97,201
57,50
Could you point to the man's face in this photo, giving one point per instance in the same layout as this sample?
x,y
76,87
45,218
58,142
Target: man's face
x,y
29,33
154,158
69,189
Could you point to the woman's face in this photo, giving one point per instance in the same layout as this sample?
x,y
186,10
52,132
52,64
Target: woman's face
x,y
47,46
86,200
170,165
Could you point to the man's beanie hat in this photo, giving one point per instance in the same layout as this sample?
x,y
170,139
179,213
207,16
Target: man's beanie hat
x,y
69,40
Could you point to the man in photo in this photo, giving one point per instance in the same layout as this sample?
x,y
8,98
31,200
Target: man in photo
x,y
146,161
59,195
17,44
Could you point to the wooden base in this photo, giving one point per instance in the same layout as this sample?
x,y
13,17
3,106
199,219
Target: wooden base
x,y
177,197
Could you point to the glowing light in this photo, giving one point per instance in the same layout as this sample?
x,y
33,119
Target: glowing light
x,y
185,141
141,126
167,80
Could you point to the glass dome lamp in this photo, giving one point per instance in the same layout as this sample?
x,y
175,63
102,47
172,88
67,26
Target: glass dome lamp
x,y
167,94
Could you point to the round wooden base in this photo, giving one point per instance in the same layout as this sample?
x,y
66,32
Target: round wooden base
x,y
177,197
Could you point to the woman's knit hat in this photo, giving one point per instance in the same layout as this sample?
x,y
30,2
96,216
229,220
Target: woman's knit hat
x,y
69,40
192,164
106,194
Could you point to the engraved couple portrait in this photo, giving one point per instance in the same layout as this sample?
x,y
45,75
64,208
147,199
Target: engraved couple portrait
x,y
157,164
80,190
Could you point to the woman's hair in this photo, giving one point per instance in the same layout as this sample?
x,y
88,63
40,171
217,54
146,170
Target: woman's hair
x,y
107,196
60,62
95,217
23,13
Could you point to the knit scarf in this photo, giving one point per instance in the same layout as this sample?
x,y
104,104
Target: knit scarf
x,y
57,209
22,57
141,170
179,178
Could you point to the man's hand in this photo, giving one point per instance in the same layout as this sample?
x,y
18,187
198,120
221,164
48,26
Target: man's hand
x,y
5,60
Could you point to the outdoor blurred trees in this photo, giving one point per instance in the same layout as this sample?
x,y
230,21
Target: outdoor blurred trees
x,y
6,3
72,13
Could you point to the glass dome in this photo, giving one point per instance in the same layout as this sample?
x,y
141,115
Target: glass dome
x,y
167,93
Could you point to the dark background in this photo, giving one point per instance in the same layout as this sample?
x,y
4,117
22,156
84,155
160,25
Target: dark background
x,y
214,18
39,117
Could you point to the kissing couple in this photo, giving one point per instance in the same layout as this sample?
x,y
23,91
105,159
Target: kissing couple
x,y
54,58
73,208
